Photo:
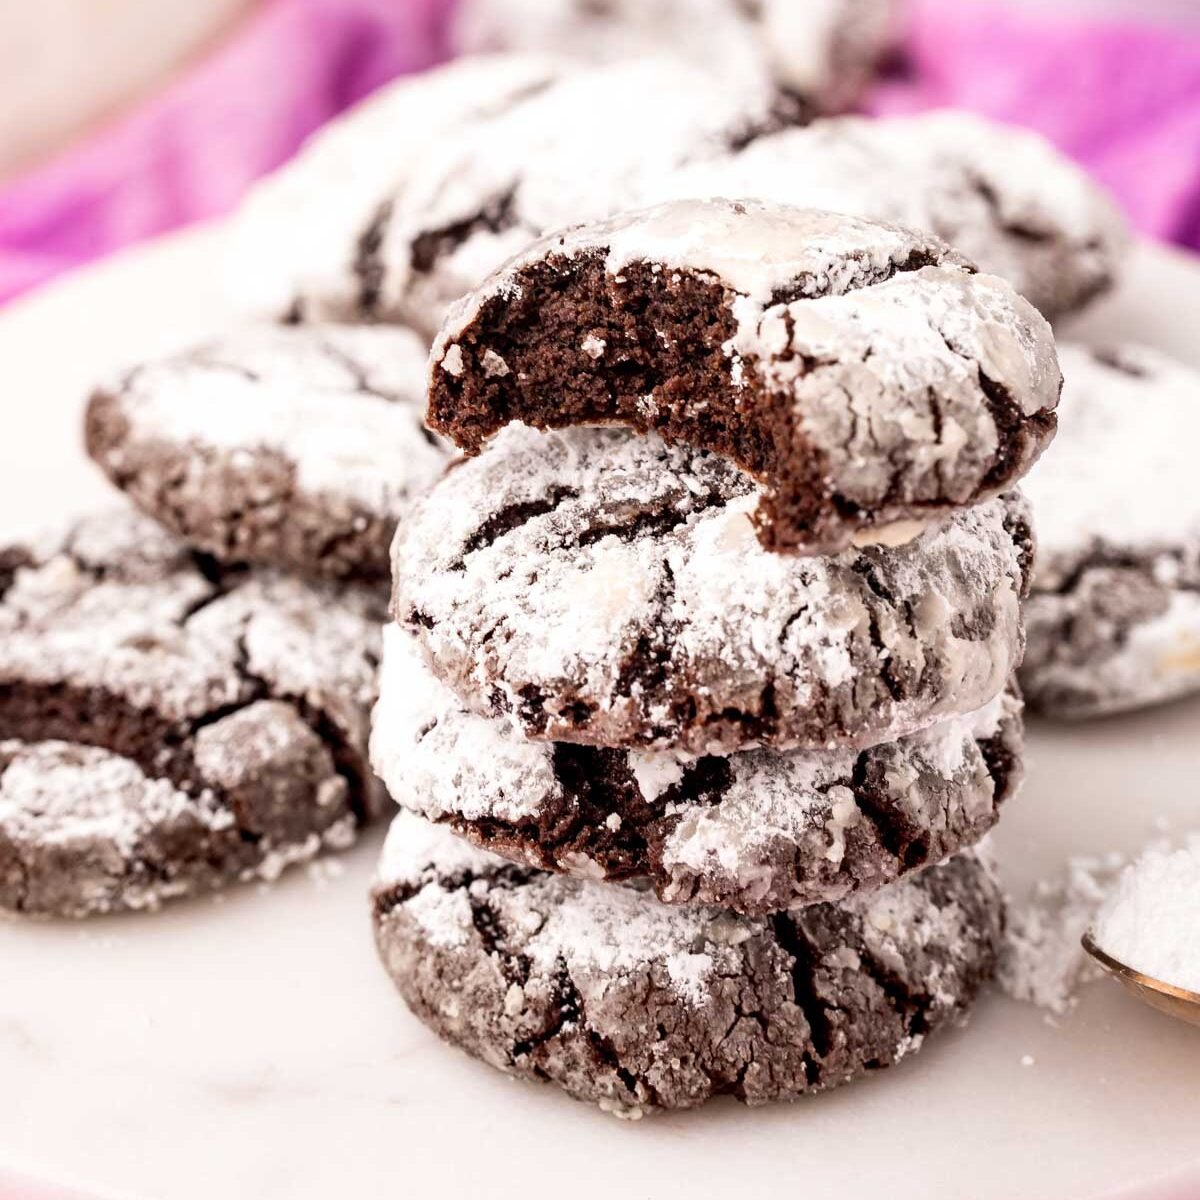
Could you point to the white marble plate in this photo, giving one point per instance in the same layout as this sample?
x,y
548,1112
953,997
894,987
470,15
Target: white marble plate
x,y
252,1047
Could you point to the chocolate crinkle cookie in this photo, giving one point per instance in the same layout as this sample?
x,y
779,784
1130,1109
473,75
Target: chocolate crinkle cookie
x,y
300,244
823,54
1003,196
757,831
298,448
168,726
605,588
635,1006
523,146
863,373
574,150
1114,617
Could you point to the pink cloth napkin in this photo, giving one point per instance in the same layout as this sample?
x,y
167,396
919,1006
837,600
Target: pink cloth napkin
x,y
1124,99
192,150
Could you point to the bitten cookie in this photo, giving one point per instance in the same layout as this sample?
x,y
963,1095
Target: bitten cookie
x,y
822,53
605,588
1001,195
1114,618
167,727
291,447
632,1005
863,373
756,832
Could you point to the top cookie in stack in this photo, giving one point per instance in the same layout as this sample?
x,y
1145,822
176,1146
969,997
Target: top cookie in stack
x,y
619,682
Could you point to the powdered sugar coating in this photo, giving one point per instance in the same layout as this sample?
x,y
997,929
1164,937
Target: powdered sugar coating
x,y
823,50
155,631
294,243
1001,195
1122,473
246,693
758,831
913,384
241,444
53,793
84,831
572,151
1115,615
633,1005
605,588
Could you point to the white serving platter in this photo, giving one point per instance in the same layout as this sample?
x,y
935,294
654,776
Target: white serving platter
x,y
252,1047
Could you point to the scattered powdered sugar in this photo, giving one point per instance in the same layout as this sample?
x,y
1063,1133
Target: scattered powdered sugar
x,y
1121,472
342,404
1151,919
1043,961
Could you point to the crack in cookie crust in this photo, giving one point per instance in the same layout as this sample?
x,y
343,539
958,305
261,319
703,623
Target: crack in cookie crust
x,y
178,726
1002,196
1114,618
292,447
757,832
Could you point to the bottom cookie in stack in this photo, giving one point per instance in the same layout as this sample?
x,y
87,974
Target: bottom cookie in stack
x,y
808,927
634,1005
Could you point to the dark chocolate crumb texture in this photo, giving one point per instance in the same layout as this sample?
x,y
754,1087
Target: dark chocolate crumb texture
x,y
168,726
632,1005
864,374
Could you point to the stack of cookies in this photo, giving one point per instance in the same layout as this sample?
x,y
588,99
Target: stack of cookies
x,y
185,692
699,687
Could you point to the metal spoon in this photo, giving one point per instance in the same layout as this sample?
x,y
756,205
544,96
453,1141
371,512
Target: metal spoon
x,y
1177,1002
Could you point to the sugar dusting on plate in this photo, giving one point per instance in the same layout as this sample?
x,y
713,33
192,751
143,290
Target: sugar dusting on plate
x,y
1042,961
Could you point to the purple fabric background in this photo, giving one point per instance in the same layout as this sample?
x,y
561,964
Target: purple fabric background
x,y
1124,99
